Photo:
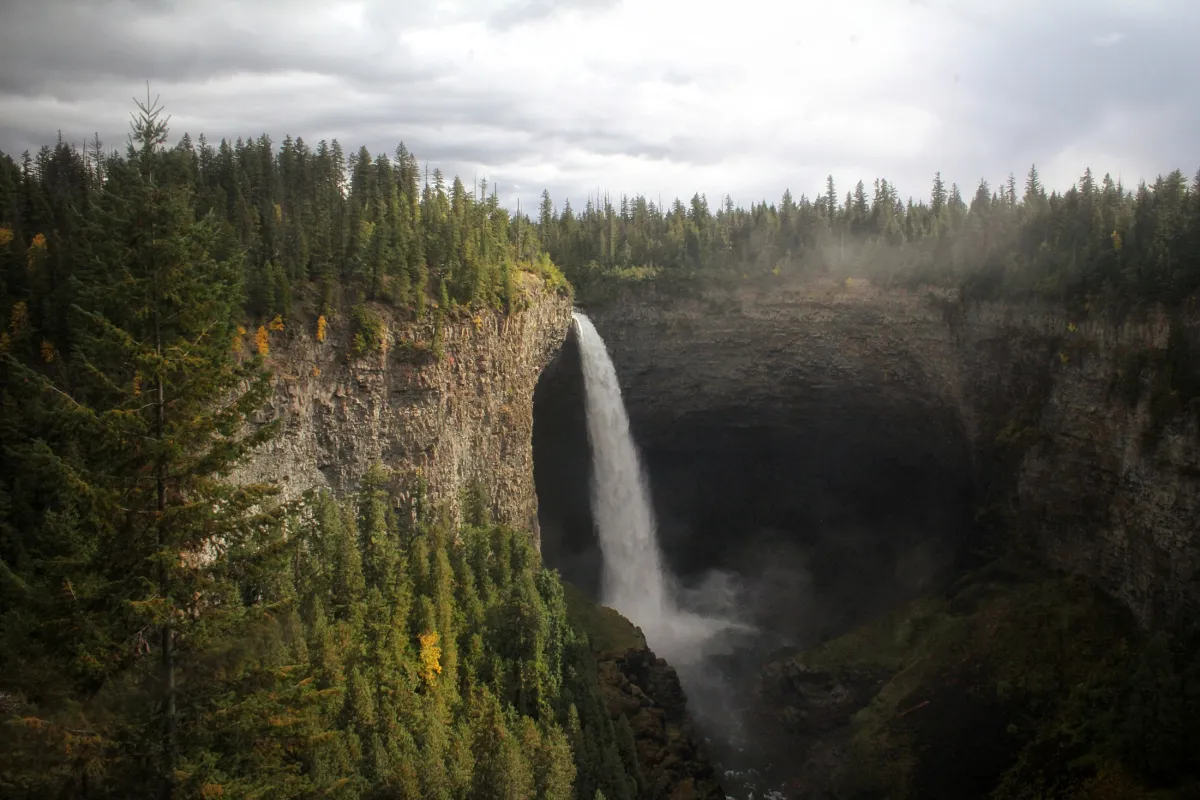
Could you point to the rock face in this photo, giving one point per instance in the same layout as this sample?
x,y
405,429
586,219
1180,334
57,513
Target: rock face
x,y
646,691
1046,414
464,418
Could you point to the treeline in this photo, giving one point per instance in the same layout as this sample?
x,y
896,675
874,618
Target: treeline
x,y
167,632
1097,240
304,222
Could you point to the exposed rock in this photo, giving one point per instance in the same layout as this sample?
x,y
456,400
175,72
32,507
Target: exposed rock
x,y
810,701
466,417
646,691
1032,392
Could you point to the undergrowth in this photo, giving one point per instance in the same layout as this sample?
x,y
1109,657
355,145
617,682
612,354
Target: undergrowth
x,y
1018,684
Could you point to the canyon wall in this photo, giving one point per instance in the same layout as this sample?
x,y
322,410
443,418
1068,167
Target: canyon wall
x,y
1060,416
462,419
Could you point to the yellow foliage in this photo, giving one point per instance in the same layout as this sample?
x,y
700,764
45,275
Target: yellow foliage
x,y
1063,357
48,352
137,385
261,341
5,342
278,212
477,320
1116,240
431,656
212,790
18,318
1072,327
321,328
277,323
6,236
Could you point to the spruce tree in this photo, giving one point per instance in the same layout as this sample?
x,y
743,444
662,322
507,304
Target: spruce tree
x,y
152,409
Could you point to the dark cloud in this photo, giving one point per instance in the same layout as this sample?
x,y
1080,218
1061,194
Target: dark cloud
x,y
586,93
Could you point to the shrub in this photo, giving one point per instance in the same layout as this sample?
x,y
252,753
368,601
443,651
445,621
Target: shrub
x,y
368,332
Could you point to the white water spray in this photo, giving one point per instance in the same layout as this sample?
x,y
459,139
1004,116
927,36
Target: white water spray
x,y
635,582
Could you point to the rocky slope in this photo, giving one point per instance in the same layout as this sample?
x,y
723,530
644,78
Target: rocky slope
x,y
646,691
1066,422
463,419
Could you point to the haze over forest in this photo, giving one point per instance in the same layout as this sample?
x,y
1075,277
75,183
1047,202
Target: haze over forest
x,y
666,99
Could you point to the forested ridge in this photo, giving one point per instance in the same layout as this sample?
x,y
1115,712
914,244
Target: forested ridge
x,y
1097,242
166,632
297,220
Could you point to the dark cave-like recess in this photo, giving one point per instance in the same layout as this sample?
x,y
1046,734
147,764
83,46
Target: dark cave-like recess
x,y
822,517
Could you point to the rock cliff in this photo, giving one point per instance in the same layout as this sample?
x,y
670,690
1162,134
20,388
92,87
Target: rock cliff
x,y
460,419
1064,425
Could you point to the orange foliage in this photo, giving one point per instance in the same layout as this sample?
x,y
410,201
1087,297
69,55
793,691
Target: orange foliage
x,y
277,323
37,249
6,236
48,352
261,341
321,326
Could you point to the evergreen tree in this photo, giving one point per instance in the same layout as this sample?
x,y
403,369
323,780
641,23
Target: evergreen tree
x,y
129,506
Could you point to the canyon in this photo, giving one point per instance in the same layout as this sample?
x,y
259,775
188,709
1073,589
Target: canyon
x,y
783,410
819,454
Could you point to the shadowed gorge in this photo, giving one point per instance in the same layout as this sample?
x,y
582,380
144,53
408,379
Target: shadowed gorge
x,y
818,500
895,489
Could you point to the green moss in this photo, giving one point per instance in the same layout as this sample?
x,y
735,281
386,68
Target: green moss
x,y
608,631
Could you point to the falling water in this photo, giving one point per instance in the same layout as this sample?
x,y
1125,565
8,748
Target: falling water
x,y
635,582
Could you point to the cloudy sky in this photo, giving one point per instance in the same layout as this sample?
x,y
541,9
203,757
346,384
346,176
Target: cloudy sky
x,y
669,97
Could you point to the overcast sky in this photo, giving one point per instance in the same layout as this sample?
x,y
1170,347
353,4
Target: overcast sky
x,y
669,97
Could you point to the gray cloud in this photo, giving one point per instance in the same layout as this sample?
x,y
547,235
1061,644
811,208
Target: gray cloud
x,y
598,93
505,16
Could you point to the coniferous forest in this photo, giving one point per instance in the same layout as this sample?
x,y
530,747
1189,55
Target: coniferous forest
x,y
167,632
1098,242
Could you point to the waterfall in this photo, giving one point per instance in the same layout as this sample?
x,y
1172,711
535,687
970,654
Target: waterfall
x,y
633,576
635,582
